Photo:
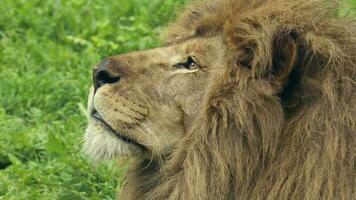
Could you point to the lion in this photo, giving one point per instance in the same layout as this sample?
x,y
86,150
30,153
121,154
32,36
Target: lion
x,y
245,99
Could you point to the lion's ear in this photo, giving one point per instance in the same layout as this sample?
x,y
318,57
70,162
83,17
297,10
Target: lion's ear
x,y
284,57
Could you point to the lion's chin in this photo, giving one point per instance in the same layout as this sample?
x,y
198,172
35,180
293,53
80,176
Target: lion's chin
x,y
100,144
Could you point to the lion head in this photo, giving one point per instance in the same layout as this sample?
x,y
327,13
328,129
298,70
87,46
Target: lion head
x,y
245,100
142,103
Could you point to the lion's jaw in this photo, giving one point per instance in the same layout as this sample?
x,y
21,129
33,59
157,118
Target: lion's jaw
x,y
101,140
149,110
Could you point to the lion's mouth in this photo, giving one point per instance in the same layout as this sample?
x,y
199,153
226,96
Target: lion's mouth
x,y
95,114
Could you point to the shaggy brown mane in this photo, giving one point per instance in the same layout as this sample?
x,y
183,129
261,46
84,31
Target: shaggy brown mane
x,y
251,142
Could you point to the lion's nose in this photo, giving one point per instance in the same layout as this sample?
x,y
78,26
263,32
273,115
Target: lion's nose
x,y
106,72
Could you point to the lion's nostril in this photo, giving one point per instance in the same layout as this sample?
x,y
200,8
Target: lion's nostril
x,y
104,77
105,73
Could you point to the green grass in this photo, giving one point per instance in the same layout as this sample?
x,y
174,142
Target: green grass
x,y
47,49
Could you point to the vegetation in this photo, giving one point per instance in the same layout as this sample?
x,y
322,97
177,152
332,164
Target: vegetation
x,y
47,49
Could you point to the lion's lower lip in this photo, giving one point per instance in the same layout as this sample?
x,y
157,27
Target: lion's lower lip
x,y
95,114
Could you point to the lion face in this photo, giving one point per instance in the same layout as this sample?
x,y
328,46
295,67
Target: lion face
x,y
143,102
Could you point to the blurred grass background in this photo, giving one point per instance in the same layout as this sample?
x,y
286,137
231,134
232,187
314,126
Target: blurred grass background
x,y
47,49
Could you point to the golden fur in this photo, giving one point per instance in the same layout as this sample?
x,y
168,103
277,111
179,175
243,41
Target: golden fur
x,y
277,119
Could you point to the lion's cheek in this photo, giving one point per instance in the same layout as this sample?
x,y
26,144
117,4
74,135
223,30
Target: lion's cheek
x,y
162,130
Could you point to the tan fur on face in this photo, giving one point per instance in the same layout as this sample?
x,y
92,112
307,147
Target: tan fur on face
x,y
270,115
153,102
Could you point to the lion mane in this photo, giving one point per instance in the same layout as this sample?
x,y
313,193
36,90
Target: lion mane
x,y
250,142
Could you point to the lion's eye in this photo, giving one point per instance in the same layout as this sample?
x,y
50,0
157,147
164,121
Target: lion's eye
x,y
190,64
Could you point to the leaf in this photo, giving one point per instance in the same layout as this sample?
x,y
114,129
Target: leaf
x,y
14,160
55,146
